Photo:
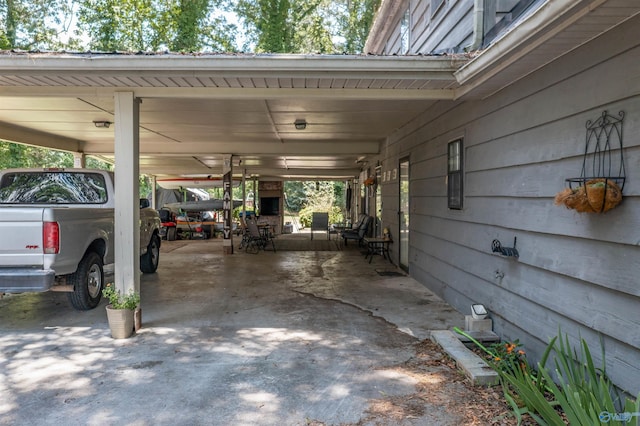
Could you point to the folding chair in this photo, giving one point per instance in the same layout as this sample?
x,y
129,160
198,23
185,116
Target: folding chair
x,y
254,239
245,234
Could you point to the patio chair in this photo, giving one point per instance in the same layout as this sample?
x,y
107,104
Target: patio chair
x,y
256,239
359,233
357,223
246,237
252,241
320,222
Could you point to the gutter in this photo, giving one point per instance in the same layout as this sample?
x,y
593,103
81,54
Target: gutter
x,y
546,22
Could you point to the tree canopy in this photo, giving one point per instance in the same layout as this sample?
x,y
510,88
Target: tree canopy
x,y
275,26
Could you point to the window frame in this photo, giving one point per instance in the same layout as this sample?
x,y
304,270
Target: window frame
x,y
455,174
405,32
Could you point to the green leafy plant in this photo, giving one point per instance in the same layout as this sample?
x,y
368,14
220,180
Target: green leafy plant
x,y
119,301
583,394
508,355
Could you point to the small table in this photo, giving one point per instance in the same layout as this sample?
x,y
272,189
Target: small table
x,y
377,246
267,236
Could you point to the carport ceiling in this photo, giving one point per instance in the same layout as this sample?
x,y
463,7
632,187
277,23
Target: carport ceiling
x,y
197,109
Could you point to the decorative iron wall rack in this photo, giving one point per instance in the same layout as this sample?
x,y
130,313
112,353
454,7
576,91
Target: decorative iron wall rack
x,y
603,153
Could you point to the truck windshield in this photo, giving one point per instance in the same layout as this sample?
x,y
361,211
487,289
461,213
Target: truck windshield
x,y
52,188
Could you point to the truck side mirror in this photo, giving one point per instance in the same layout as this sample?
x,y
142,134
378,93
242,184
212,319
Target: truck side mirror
x,y
144,203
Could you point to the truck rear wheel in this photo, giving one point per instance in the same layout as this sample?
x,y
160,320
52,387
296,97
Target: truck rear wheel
x,y
149,260
88,282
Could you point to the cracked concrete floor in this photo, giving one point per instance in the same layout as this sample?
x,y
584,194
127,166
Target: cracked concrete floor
x,y
286,338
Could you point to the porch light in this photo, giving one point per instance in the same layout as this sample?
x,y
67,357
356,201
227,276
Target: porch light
x,y
101,124
300,124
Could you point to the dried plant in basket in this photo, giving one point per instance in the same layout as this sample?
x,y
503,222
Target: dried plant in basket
x,y
603,194
596,196
575,199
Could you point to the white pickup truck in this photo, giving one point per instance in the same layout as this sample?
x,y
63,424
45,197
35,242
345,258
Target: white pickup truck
x,y
57,231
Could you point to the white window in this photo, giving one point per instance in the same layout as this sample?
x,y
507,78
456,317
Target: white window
x,y
404,32
454,175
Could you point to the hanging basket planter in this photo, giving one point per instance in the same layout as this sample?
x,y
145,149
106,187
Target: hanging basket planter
x,y
595,196
603,194
599,188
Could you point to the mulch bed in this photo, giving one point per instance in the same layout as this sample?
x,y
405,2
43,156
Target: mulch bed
x,y
440,383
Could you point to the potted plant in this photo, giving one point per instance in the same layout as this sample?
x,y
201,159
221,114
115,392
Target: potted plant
x,y
120,311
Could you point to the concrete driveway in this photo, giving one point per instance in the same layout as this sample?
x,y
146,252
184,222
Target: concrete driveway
x,y
286,338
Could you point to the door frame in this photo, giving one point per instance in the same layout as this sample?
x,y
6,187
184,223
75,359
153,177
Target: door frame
x,y
403,234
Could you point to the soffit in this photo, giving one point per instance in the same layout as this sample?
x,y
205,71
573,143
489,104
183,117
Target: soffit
x,y
197,108
549,32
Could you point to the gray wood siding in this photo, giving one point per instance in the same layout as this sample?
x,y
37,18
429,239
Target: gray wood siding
x,y
450,29
577,271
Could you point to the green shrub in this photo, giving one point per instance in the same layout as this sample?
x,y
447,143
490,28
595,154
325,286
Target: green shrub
x,y
584,395
304,216
118,300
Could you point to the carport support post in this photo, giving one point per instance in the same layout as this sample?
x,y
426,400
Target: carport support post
x,y
154,181
227,204
127,204
79,160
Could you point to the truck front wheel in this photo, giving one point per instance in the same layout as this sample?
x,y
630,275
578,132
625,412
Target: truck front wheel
x,y
88,282
149,260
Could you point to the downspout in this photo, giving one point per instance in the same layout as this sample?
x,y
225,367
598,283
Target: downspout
x,y
478,25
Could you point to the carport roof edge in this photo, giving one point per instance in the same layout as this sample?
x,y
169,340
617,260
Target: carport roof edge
x,y
419,66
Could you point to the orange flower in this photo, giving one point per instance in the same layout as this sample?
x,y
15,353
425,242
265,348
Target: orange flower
x,y
497,358
521,352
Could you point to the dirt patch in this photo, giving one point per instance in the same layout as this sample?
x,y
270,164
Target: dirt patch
x,y
444,396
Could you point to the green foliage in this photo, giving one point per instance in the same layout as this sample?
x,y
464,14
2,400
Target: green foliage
x,y
151,25
308,197
335,215
508,356
584,393
118,300
18,155
356,23
295,196
283,26
306,26
33,24
189,15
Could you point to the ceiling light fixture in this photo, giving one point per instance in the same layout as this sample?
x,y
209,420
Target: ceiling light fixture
x,y
101,124
300,124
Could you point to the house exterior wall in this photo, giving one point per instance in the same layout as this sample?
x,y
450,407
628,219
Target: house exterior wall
x,y
576,271
439,35
431,30
445,26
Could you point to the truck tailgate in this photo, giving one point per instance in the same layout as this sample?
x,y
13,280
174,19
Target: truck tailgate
x,y
21,234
